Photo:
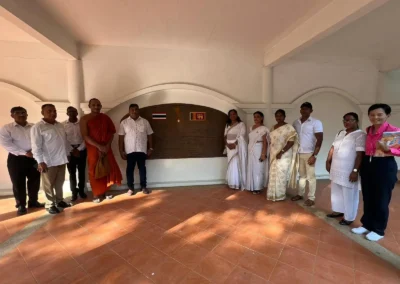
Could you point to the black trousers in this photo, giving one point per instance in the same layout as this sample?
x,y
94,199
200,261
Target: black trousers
x,y
21,169
378,178
132,159
80,164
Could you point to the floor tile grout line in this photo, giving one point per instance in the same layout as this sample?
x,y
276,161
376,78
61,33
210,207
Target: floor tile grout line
x,y
375,248
26,264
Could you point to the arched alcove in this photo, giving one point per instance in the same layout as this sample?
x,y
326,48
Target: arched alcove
x,y
173,172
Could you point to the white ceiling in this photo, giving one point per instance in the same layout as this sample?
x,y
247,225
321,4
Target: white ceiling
x,y
10,32
201,24
374,36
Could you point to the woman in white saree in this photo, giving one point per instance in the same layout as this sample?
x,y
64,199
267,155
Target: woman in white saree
x,y
235,142
257,167
284,146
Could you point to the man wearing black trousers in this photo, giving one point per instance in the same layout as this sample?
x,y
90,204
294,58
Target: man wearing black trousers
x,y
135,144
78,154
22,167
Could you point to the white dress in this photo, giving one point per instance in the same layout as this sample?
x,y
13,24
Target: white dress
x,y
344,193
237,158
257,172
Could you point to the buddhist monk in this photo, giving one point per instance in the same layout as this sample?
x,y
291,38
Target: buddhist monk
x,y
98,131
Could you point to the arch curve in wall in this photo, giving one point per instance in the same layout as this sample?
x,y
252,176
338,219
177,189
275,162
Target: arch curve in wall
x,y
319,90
19,91
204,96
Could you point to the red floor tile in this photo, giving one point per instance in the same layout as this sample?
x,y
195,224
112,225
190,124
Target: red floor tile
x,y
191,235
333,272
214,268
240,276
190,255
268,247
302,243
258,264
284,274
230,251
298,259
170,272
335,254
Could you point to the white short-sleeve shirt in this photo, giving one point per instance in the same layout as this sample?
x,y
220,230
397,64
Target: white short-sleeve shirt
x,y
344,155
135,132
306,132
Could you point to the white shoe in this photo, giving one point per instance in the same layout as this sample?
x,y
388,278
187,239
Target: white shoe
x,y
373,237
359,230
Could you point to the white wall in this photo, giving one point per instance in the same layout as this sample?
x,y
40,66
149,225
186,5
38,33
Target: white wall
x,y
34,68
112,72
302,74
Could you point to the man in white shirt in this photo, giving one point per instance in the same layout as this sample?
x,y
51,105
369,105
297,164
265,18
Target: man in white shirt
x,y
134,133
51,150
15,137
78,154
311,135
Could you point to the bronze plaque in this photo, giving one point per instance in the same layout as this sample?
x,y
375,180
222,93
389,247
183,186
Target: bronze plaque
x,y
177,137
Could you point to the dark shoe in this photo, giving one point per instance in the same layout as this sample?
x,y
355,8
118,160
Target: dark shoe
x,y
345,223
335,215
82,194
309,203
63,204
21,210
255,192
131,192
297,197
53,210
146,190
74,197
35,204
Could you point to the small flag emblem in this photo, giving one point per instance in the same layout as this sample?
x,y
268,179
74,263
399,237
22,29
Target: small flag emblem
x,y
198,116
159,115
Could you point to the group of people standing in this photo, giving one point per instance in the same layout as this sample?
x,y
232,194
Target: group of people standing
x,y
265,158
43,151
273,158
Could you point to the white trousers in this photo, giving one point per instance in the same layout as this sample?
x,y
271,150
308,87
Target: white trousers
x,y
345,200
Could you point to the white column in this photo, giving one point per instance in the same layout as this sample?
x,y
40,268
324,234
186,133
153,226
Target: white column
x,y
267,94
75,84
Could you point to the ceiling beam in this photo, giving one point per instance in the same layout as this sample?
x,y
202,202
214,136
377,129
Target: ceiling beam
x,y
31,18
328,20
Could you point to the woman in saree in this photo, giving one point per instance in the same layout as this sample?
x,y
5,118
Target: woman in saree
x,y
235,142
98,131
283,151
257,167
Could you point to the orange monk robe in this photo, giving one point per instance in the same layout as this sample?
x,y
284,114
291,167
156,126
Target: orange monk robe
x,y
101,129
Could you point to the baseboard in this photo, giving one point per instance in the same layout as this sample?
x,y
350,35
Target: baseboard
x,y
66,187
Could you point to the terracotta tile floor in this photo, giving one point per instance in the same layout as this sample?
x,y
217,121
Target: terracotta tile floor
x,y
392,234
187,235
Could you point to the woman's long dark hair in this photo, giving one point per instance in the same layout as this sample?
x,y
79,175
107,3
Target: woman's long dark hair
x,y
229,121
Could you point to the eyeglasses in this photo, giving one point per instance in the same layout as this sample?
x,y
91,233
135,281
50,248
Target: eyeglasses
x,y
348,120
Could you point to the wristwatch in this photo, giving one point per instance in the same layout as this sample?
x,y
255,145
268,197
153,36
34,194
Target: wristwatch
x,y
355,170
